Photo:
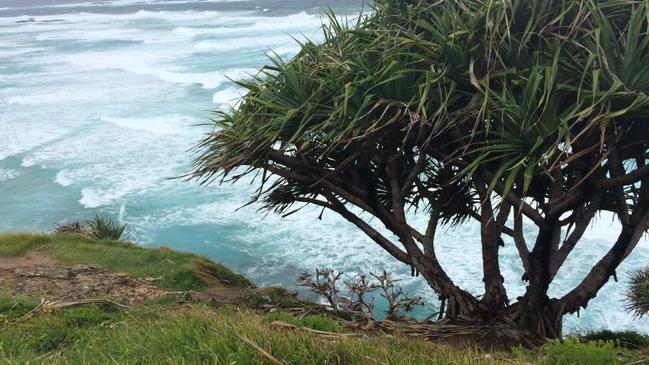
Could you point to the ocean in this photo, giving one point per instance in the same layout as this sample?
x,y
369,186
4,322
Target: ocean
x,y
101,103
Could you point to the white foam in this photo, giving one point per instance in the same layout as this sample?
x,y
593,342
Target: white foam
x,y
6,175
238,43
119,3
29,135
103,18
154,63
11,53
64,178
229,97
258,25
286,51
117,157
108,33
168,124
55,95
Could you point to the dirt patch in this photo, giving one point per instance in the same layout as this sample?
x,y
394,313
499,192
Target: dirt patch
x,y
30,259
220,296
41,276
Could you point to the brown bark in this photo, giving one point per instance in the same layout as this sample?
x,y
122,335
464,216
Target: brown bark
x,y
521,244
495,297
536,304
458,301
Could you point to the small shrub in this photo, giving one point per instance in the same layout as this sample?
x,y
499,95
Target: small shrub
x,y
105,228
72,228
638,294
357,299
573,352
257,301
627,339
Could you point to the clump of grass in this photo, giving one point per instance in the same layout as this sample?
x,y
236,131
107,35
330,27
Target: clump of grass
x,y
12,307
626,339
573,352
99,227
105,228
638,293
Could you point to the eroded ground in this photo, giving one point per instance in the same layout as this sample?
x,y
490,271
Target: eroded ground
x,y
38,275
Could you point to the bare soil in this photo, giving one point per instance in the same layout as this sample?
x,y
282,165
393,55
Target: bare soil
x,y
32,258
38,275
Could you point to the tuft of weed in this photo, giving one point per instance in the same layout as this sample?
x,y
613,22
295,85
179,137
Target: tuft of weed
x,y
105,228
14,307
626,339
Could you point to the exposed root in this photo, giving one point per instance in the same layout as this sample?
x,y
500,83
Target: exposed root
x,y
500,333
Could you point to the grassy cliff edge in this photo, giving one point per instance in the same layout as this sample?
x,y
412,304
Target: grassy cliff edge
x,y
175,329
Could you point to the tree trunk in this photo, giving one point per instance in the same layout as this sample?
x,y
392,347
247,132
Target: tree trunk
x,y
495,298
458,301
538,314
542,319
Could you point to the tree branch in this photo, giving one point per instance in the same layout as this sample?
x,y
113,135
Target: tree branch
x,y
616,170
339,207
600,273
571,241
519,241
626,179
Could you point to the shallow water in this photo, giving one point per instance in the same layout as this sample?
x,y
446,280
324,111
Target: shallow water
x,y
99,103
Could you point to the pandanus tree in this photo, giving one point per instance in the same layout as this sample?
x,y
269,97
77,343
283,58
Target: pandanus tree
x,y
527,117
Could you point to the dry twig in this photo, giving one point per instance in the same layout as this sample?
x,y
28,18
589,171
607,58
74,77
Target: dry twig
x,y
259,349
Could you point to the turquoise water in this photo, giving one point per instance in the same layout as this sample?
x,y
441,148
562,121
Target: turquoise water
x,y
99,103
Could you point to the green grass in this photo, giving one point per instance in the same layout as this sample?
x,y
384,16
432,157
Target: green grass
x,y
105,228
571,351
198,334
12,308
178,271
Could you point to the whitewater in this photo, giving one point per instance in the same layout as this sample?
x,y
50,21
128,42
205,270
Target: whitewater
x,y
100,103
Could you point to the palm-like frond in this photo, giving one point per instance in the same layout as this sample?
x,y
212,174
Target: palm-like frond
x,y
521,88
